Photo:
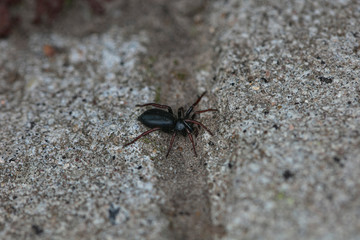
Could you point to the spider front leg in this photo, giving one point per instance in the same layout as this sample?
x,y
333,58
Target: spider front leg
x,y
192,106
180,112
200,124
156,105
192,141
202,111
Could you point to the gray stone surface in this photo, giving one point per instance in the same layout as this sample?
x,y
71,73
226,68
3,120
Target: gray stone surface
x,y
283,162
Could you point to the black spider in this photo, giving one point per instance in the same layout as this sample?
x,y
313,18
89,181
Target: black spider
x,y
158,119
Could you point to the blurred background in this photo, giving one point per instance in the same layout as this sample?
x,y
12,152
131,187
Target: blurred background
x,y
284,159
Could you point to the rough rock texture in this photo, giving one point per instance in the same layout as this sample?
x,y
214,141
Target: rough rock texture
x,y
283,163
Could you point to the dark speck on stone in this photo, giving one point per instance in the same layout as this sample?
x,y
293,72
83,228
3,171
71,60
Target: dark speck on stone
x,y
264,80
287,174
37,230
276,126
139,167
325,80
338,161
113,212
230,165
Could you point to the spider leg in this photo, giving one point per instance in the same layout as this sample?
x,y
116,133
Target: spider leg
x,y
156,105
141,135
181,112
202,111
192,141
192,106
199,123
171,143
187,125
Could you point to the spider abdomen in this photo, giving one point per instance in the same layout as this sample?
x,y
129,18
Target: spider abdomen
x,y
158,118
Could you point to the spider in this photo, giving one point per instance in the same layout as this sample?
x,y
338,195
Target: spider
x,y
166,121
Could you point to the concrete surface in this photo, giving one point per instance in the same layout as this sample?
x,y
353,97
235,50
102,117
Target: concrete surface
x,y
283,164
